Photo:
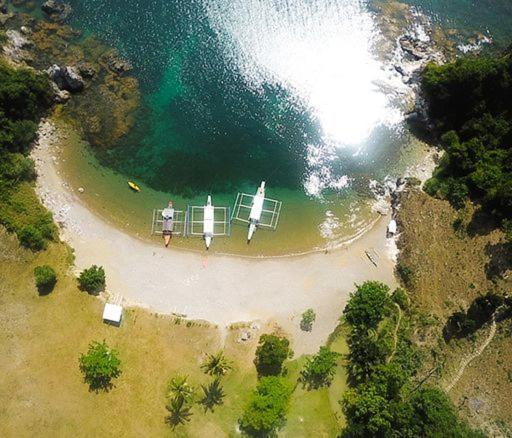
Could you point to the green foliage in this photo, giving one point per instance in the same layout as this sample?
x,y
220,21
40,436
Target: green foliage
x,y
92,279
399,296
272,351
368,304
383,400
213,395
406,274
24,96
46,278
179,387
216,364
308,318
32,238
99,366
507,229
320,369
267,407
470,103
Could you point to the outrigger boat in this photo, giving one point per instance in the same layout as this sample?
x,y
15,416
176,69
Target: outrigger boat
x,y
208,222
134,186
256,211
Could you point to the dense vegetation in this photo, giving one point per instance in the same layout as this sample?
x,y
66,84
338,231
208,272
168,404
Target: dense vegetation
x,y
272,351
92,279
470,105
384,399
99,366
46,278
24,97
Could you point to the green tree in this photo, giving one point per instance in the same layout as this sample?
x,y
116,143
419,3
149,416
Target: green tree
x,y
266,410
92,279
271,352
368,304
31,238
320,369
99,366
308,318
179,387
216,364
213,395
46,278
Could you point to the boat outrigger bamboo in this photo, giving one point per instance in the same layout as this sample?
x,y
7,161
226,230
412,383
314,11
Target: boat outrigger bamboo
x,y
208,221
257,211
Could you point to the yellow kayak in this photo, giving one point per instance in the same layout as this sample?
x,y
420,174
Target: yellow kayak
x,y
134,186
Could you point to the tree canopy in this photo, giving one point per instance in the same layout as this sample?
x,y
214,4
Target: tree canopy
x,y
272,351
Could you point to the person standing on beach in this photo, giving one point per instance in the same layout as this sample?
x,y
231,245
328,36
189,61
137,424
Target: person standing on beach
x,y
168,223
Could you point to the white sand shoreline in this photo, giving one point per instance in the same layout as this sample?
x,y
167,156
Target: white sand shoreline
x,y
218,288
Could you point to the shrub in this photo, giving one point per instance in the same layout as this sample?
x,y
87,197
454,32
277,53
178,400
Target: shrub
x,y
99,366
406,274
272,351
507,229
400,297
31,238
308,318
267,407
45,278
92,279
216,364
319,370
368,304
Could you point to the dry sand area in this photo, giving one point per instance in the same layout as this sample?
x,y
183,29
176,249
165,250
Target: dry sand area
x,y
219,289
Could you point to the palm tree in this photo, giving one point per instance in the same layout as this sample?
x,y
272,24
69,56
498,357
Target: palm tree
x,y
216,364
179,412
213,395
180,389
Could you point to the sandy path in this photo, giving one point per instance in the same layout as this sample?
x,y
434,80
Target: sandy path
x,y
219,289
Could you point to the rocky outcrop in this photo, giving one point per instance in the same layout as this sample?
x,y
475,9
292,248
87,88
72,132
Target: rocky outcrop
x,y
3,6
16,47
55,10
66,78
116,64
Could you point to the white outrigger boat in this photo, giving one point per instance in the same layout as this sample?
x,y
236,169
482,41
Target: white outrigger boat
x,y
257,211
208,221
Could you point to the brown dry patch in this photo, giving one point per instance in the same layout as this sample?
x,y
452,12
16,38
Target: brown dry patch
x,y
449,270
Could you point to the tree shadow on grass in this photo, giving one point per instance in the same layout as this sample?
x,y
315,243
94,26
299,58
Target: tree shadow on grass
x,y
500,260
482,223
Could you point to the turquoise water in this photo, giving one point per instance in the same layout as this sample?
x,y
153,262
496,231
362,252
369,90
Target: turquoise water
x,y
287,91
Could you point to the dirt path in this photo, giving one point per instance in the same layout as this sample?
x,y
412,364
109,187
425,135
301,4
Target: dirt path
x,y
468,359
395,334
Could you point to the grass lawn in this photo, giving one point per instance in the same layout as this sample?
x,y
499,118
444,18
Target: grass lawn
x,y
41,387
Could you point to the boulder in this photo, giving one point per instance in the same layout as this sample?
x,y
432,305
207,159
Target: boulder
x,y
117,64
66,78
86,70
3,6
55,10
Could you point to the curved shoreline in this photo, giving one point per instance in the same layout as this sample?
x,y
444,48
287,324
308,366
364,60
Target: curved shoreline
x,y
217,288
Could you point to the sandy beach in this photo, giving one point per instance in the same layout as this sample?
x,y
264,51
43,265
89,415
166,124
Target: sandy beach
x,y
216,288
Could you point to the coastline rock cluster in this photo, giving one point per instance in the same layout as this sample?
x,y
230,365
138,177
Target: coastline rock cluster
x,y
55,10
66,78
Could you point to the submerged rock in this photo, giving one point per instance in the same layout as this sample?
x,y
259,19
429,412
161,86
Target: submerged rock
x,y
55,10
116,64
66,78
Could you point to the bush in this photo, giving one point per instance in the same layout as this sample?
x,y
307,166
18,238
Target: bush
x,y
99,366
400,297
31,238
92,279
308,318
319,370
267,407
406,274
368,304
272,351
46,278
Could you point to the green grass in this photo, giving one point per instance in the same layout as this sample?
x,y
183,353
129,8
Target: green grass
x,y
42,390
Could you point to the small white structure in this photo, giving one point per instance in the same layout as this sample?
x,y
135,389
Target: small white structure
x,y
112,313
392,227
262,212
